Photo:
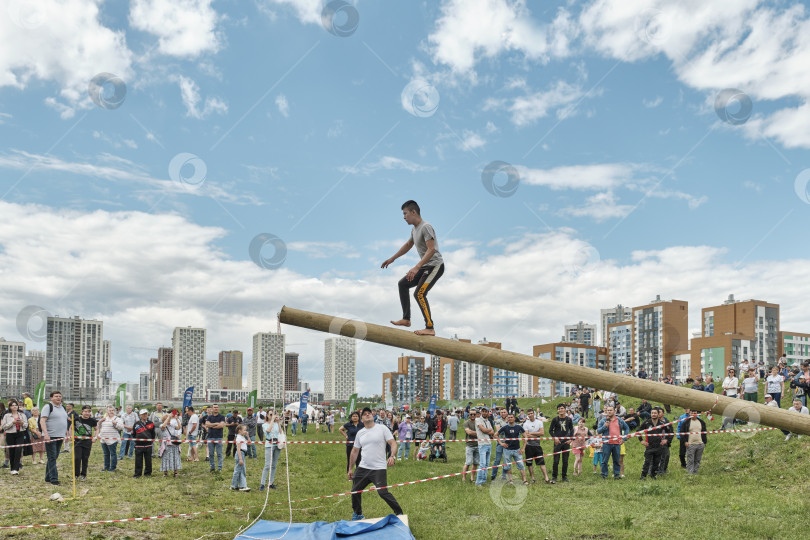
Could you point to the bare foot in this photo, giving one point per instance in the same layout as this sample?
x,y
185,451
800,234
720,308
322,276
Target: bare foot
x,y
425,332
401,322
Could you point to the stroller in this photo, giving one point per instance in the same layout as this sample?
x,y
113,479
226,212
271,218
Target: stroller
x,y
437,447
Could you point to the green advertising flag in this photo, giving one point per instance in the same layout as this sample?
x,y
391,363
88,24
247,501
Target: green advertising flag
x,y
39,395
252,399
121,396
352,403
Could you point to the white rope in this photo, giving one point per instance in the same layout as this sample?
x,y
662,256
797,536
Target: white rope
x,y
266,498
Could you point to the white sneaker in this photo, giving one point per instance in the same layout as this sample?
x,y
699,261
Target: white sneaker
x,y
15,472
788,437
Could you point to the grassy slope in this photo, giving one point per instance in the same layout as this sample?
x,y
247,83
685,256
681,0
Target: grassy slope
x,y
747,488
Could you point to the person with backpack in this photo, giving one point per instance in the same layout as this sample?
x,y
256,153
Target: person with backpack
x,y
84,425
53,425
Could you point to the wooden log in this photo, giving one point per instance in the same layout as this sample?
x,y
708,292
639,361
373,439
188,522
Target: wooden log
x,y
551,369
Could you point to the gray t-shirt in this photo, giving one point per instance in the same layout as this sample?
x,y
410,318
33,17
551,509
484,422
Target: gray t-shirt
x,y
420,235
452,422
56,420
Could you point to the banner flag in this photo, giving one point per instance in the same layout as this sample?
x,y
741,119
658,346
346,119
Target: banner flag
x,y
187,395
251,403
352,403
39,395
432,406
121,396
302,406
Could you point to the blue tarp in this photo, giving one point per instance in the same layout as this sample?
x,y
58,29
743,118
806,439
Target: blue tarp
x,y
388,528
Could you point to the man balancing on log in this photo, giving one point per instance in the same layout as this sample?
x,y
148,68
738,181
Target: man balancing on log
x,y
424,274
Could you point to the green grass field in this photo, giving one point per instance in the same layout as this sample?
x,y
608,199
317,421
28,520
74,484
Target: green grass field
x,y
748,487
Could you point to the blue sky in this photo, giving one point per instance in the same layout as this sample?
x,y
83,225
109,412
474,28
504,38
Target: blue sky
x,y
606,110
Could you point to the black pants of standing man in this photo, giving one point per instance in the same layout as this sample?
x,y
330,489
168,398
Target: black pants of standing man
x,y
561,451
363,477
143,461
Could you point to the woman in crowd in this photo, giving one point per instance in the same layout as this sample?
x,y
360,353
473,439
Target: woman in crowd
x,y
170,434
83,426
294,424
38,446
349,430
578,445
108,432
3,435
14,424
272,431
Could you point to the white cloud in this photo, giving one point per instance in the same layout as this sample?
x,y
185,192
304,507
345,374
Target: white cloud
x,y
144,274
4,117
190,94
115,142
653,103
471,140
283,106
121,170
183,27
469,30
323,250
307,11
527,109
599,207
596,177
388,163
63,42
757,48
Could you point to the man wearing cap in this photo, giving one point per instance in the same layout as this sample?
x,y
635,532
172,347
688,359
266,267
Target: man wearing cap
x,y
372,440
799,386
798,408
143,431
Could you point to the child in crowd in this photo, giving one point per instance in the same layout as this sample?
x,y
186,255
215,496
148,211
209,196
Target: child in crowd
x,y
424,451
239,480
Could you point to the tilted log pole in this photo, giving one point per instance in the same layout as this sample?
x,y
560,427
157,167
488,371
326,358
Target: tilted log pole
x,y
550,369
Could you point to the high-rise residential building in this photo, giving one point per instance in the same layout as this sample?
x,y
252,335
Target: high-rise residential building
x,y
795,346
164,371
613,315
435,375
426,385
12,368
659,329
581,333
34,370
736,331
230,369
620,340
188,361
290,371
75,358
457,379
153,379
525,385
212,376
339,368
681,366
267,366
407,384
570,353
143,386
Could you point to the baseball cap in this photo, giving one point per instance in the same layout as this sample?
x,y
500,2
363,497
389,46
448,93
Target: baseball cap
x,y
767,396
144,411
366,409
408,416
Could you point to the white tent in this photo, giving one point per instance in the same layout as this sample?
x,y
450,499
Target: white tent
x,y
293,408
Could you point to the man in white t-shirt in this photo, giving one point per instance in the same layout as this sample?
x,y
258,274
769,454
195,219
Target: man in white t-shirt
x,y
484,430
193,433
533,451
797,408
372,440
261,417
775,386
